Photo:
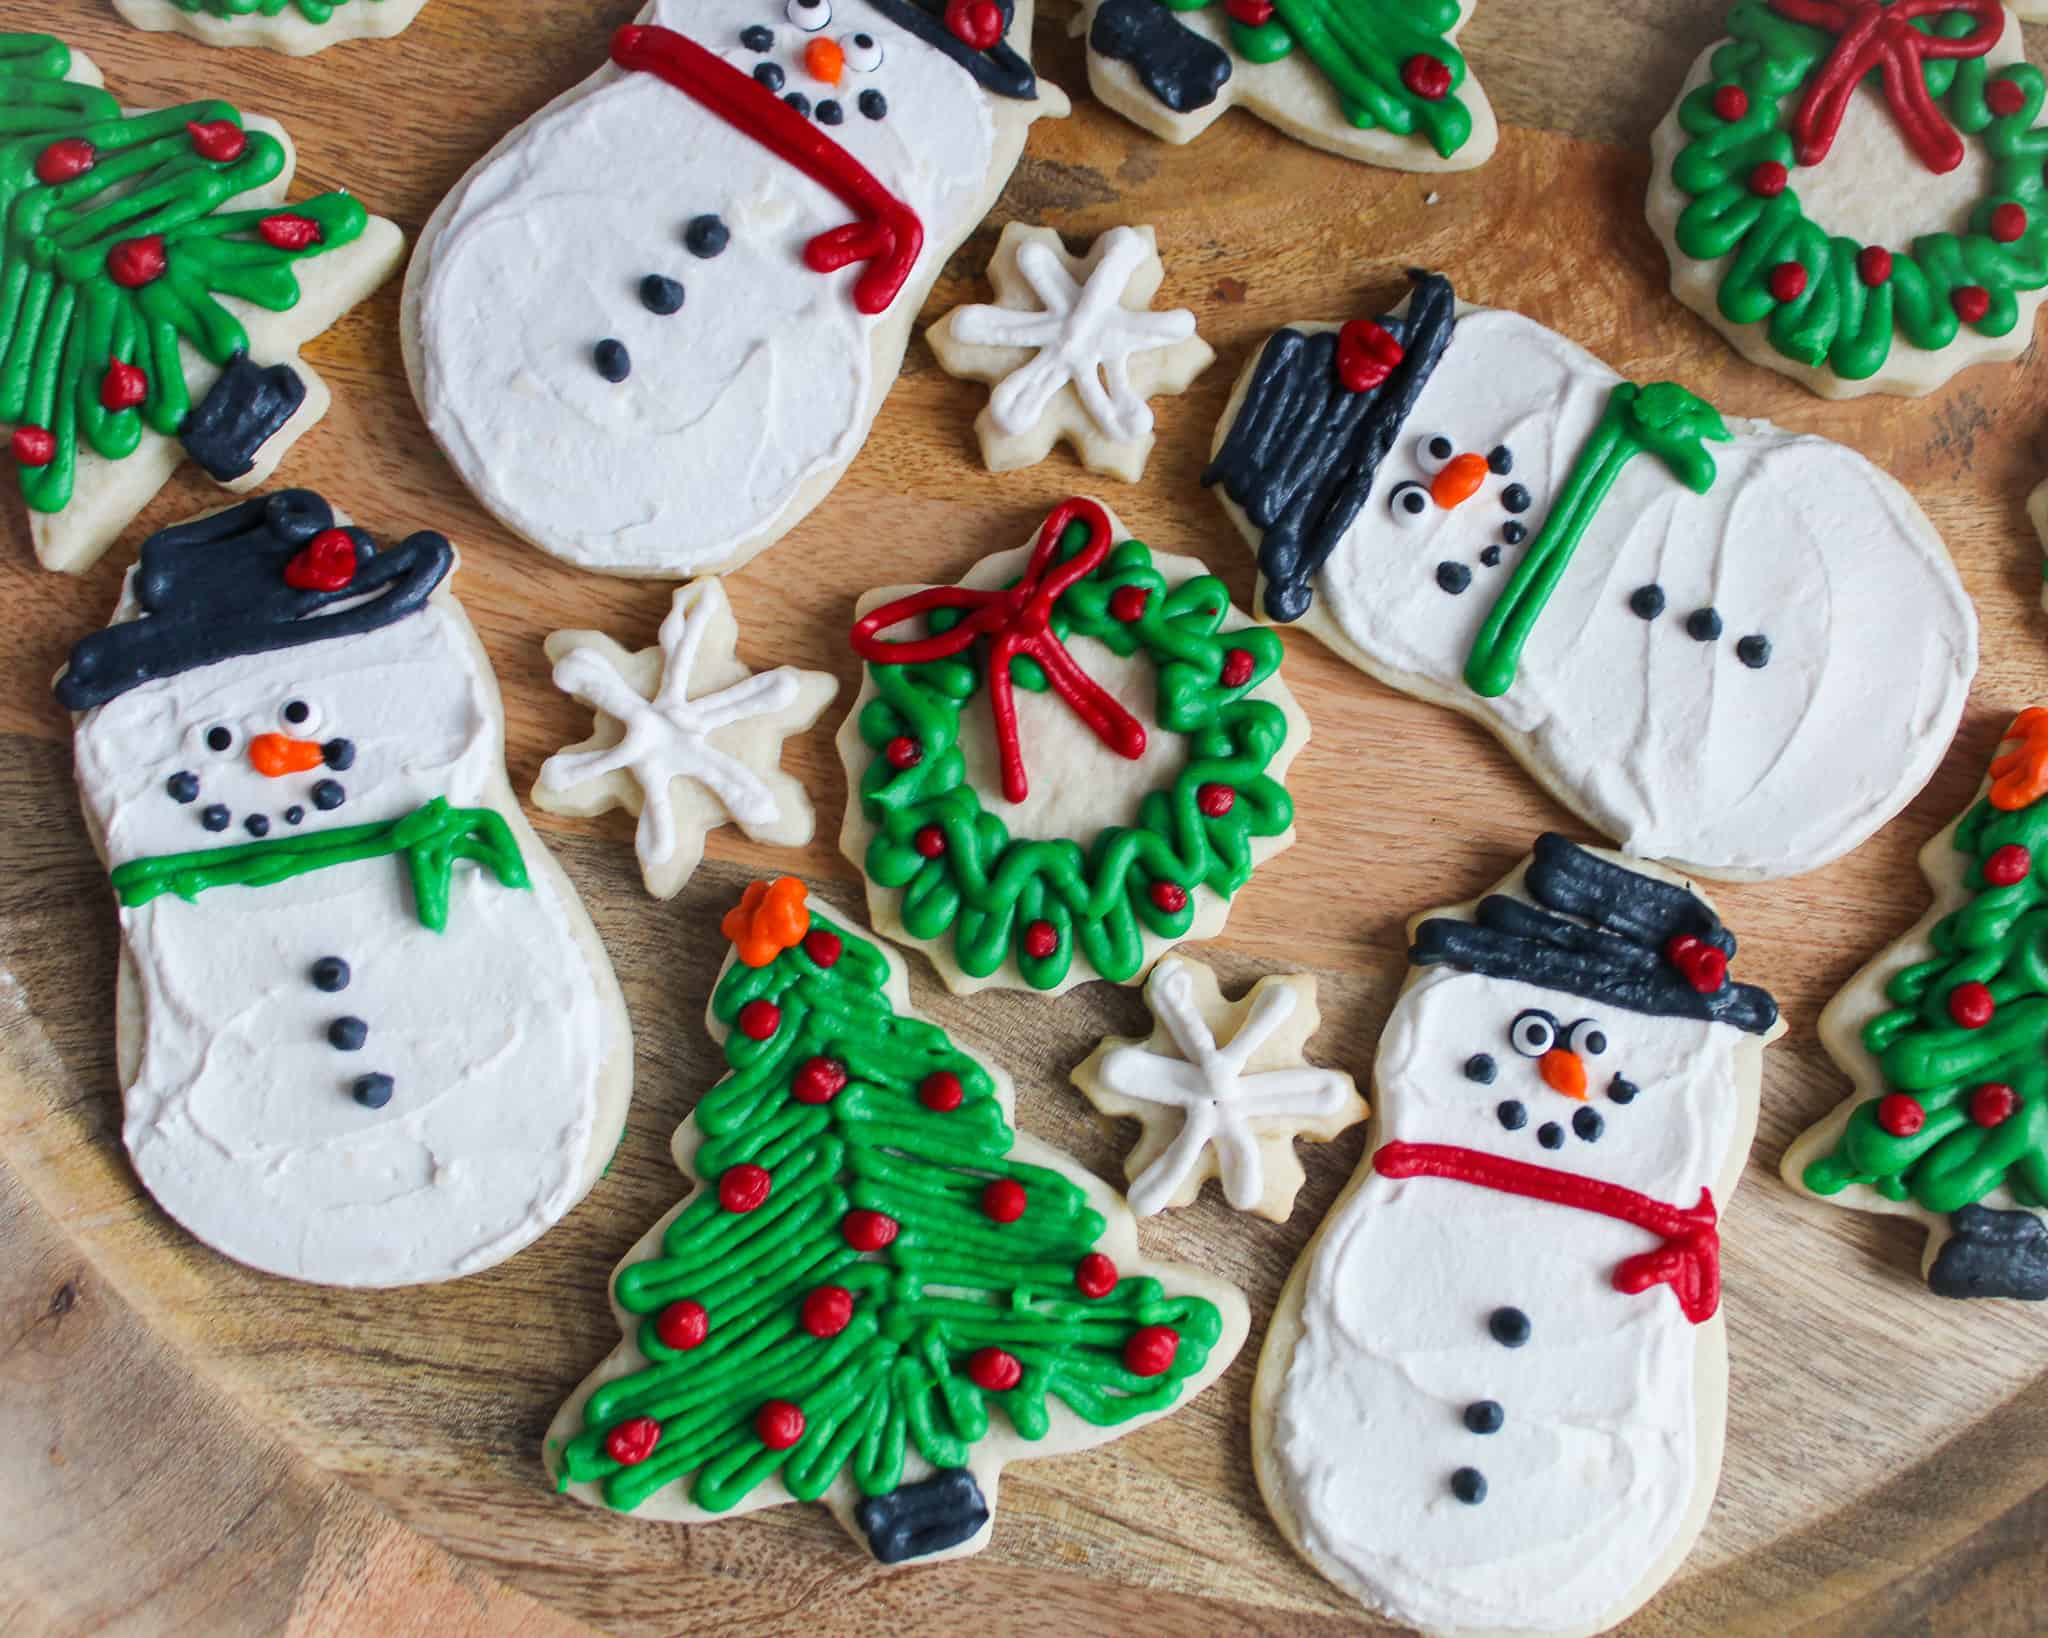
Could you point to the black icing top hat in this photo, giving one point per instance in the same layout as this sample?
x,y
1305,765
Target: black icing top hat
x,y
1604,932
971,32
251,580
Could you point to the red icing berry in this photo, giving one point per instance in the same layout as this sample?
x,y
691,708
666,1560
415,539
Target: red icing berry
x,y
2005,97
977,23
868,1230
633,1440
1170,897
903,752
1900,1115
1993,1103
1041,939
1151,1350
1769,179
930,841
64,159
1251,13
743,1187
1971,302
1003,1201
1703,966
217,139
1366,356
823,947
828,1310
1873,264
1788,281
1970,1005
779,1424
2008,222
326,563
682,1325
994,1369
1127,603
1427,77
1216,800
123,386
34,446
1095,1275
288,232
818,1080
135,262
941,1092
2007,865
1238,666
1731,103
760,1019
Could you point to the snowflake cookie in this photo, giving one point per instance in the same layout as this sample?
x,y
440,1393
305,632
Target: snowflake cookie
x,y
1223,1089
1071,350
686,737
295,28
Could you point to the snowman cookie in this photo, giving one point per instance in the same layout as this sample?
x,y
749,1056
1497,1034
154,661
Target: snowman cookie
x,y
1724,645
365,1031
653,325
1066,764
1222,1089
297,28
686,737
166,332
1945,1036
1492,1398
1851,190
1071,350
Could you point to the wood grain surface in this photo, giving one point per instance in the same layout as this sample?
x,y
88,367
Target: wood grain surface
x,y
195,1448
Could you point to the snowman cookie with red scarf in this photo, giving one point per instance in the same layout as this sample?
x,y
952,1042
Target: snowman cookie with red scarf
x,y
653,325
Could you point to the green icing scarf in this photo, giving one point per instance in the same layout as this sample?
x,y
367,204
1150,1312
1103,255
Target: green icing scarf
x,y
431,838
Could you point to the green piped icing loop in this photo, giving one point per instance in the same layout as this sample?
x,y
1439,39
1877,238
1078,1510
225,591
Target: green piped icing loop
x,y
985,889
430,838
1998,939
64,319
1362,47
1841,319
314,11
1662,419
951,1283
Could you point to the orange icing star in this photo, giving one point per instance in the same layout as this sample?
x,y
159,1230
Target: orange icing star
x,y
771,917
2019,777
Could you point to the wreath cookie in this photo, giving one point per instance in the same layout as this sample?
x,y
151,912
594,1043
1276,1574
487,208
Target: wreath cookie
x,y
1852,191
1096,800
296,28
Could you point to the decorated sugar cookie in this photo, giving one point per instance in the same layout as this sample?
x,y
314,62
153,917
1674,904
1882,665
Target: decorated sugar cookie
x,y
1723,645
366,1033
691,278
168,324
1943,1035
686,737
1066,764
878,1291
1071,350
1222,1089
1376,80
1851,190
2037,513
1493,1396
298,28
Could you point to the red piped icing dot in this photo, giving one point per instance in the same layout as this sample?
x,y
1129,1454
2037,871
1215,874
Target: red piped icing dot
x,y
2007,865
1151,1350
1251,13
1427,77
1095,1275
1971,302
2008,222
903,752
818,1080
65,159
868,1230
941,1092
1127,603
286,231
1769,179
929,841
974,22
744,1187
1238,666
1993,1103
33,446
1041,939
682,1325
822,947
828,1310
1216,800
633,1440
779,1424
1900,1115
123,386
217,139
1731,103
2005,97
135,262
1788,281
1970,1005
326,563
1874,264
760,1019
995,1370
1003,1201
1170,897
1366,356
1703,965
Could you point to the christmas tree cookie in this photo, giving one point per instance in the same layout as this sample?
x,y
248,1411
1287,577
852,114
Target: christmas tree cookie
x,y
1376,80
297,28
1852,192
1945,1035
880,1292
156,292
1067,763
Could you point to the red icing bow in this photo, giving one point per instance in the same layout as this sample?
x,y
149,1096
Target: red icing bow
x,y
1018,620
1873,35
1705,967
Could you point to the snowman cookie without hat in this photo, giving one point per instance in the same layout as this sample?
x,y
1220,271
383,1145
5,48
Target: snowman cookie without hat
x,y
365,1031
1493,1395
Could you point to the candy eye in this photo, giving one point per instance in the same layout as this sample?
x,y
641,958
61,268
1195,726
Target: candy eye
x,y
863,52
220,737
1533,1033
1433,453
808,15
1586,1038
1409,504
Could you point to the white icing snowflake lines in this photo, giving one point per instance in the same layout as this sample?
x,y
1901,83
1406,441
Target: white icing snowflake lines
x,y
1232,1121
1071,350
686,737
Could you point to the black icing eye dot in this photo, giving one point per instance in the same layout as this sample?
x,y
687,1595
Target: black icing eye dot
x,y
330,973
1468,1484
1703,625
661,295
339,754
372,1091
800,102
707,235
215,817
830,113
1453,577
328,795
1480,1067
347,1034
613,362
256,825
1484,1416
183,787
874,105
1511,1115
1550,1135
1490,557
1515,498
1623,1090
769,75
296,712
1500,460
1514,533
1754,652
1647,602
1589,1124
219,738
758,38
1509,1327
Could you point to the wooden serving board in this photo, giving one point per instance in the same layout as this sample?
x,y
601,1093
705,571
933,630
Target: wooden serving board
x,y
194,1447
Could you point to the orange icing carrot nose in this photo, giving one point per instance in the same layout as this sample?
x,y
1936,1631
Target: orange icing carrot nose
x,y
823,60
275,755
1563,1071
1459,480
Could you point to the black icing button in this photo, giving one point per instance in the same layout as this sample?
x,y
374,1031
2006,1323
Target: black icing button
x,y
339,754
613,362
183,787
1453,577
661,295
372,1091
873,104
347,1034
1511,1114
1550,1135
1515,498
328,795
769,75
1509,1327
758,38
1589,1124
830,112
1623,1090
1500,460
330,973
215,817
1468,1484
1484,1416
1490,557
707,235
1754,651
1703,625
1480,1067
257,825
1647,601
801,103
1514,533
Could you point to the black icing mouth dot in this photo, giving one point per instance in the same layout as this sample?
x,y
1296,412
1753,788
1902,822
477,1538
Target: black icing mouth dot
x,y
1500,460
874,105
1588,1124
328,795
707,235
1513,534
769,75
1550,1135
372,1091
330,973
1453,577
1511,1115
1490,557
1647,601
294,814
1485,1416
1703,625
756,37
215,817
1623,1090
1480,1067
256,825
1516,498
182,787
801,103
347,1034
1754,651
1509,1327
613,362
1468,1484
661,296
339,754
830,113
